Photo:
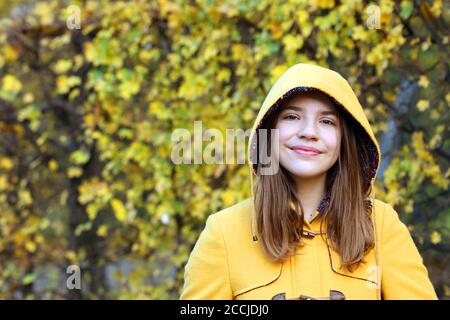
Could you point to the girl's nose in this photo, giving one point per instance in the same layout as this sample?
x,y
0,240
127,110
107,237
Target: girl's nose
x,y
307,130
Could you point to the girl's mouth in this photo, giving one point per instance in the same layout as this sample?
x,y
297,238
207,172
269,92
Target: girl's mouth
x,y
306,151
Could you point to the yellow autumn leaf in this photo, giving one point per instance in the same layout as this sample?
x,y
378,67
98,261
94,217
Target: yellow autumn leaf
x,y
30,246
435,114
3,183
74,172
223,75
436,8
91,211
119,209
6,163
53,165
292,42
90,51
102,231
426,45
71,256
25,197
79,60
11,84
435,237
28,97
64,83
423,81
302,17
324,4
248,115
39,238
228,198
9,54
359,33
278,71
128,88
89,119
62,66
423,105
409,207
44,11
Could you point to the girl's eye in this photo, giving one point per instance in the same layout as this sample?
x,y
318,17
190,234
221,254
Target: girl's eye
x,y
295,117
329,122
291,117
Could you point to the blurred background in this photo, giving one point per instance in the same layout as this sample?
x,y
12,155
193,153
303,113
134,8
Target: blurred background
x,y
91,91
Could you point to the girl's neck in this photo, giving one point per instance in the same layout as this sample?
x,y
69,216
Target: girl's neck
x,y
310,192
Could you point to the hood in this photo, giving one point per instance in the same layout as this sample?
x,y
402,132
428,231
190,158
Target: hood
x,y
304,77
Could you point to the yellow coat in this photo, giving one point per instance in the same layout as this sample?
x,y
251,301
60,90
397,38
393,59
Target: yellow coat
x,y
226,262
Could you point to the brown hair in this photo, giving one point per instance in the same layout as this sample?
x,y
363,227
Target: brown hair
x,y
347,215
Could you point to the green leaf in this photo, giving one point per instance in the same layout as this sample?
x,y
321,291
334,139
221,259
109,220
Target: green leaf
x,y
29,278
407,8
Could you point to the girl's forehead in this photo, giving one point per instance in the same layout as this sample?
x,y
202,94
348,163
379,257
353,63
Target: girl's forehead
x,y
310,100
310,104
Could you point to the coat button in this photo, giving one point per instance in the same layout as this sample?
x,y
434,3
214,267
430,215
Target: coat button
x,y
308,234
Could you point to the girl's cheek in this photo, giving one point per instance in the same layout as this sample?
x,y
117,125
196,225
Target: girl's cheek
x,y
285,132
332,140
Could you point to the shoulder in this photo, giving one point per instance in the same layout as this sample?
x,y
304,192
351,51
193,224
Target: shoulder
x,y
233,224
387,220
384,213
389,224
236,213
223,228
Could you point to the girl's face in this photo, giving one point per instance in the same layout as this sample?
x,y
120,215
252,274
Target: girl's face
x,y
309,135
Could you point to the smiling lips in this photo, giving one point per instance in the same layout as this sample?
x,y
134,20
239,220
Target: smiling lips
x,y
308,151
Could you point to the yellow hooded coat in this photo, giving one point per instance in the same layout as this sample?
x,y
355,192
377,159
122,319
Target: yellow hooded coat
x,y
228,261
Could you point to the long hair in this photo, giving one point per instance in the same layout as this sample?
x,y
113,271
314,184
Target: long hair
x,y
347,215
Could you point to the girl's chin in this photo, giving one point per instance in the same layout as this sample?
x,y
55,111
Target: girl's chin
x,y
305,174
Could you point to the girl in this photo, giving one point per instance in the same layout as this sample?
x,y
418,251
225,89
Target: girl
x,y
312,228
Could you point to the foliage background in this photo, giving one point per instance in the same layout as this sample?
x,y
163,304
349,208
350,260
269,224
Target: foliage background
x,y
87,114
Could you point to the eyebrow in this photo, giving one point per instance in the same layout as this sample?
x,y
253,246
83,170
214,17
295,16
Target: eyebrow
x,y
298,108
